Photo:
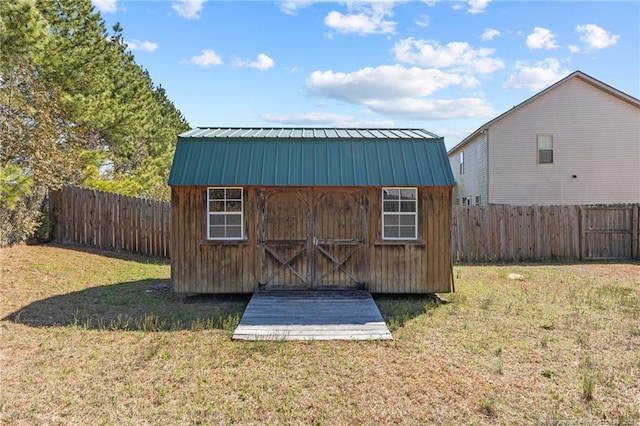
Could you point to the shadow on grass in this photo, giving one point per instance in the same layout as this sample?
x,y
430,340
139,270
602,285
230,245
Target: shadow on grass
x,y
396,310
145,305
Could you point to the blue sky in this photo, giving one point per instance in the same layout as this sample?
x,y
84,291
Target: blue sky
x,y
445,66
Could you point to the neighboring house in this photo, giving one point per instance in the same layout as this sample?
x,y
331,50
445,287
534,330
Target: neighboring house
x,y
576,142
308,209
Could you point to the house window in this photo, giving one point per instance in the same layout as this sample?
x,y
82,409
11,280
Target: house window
x,y
466,201
461,162
545,149
399,213
224,213
478,200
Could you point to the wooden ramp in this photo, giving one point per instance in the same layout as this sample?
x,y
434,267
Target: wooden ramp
x,y
312,315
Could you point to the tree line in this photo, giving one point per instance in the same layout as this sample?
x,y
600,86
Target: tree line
x,y
75,108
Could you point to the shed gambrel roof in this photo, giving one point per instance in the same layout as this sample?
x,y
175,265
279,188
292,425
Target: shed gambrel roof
x,y
310,157
612,91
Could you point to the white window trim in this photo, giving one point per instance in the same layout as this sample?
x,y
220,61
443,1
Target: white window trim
x,y
461,163
414,214
240,213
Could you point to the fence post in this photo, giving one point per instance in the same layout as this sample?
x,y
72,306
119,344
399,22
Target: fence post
x,y
581,233
635,229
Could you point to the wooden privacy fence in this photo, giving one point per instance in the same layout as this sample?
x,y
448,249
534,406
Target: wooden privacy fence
x,y
496,233
111,221
541,233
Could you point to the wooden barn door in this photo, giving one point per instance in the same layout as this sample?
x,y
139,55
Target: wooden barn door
x,y
339,239
285,227
312,239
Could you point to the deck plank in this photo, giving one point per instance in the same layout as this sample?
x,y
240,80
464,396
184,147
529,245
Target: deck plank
x,y
312,315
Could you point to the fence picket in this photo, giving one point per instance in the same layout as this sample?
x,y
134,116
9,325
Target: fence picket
x,y
495,233
110,221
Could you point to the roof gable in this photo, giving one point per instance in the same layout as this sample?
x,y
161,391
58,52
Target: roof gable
x,y
310,157
575,75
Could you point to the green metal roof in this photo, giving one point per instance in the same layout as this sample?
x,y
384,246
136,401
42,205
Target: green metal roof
x,y
310,157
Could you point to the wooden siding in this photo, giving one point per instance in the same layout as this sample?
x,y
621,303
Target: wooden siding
x,y
473,182
110,221
202,266
311,238
595,139
423,266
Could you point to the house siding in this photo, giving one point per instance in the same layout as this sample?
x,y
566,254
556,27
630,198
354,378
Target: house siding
x,y
596,138
473,182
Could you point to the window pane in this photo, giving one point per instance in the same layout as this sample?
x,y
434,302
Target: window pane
x,y
407,232
545,141
234,231
216,206
408,206
545,156
234,194
391,219
408,194
233,219
216,194
216,219
391,194
216,232
391,206
391,232
407,220
234,206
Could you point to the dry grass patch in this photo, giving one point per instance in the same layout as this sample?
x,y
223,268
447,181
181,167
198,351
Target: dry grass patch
x,y
83,341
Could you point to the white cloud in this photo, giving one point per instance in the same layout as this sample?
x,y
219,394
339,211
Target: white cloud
x,y
291,7
323,119
383,82
363,18
189,9
458,56
422,21
596,37
145,46
574,49
477,6
541,38
536,77
489,34
433,109
105,6
206,58
398,91
262,62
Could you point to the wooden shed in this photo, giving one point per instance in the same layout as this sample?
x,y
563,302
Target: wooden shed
x,y
307,208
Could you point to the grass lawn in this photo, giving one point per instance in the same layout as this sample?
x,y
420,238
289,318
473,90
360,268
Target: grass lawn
x,y
88,337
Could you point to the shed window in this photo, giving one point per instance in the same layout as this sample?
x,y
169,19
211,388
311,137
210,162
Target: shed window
x,y
224,213
399,213
545,149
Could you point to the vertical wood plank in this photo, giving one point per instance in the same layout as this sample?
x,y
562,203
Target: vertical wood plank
x,y
635,231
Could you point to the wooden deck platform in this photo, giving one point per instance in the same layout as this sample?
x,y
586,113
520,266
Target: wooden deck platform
x,y
312,315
